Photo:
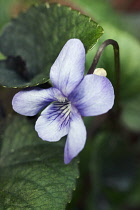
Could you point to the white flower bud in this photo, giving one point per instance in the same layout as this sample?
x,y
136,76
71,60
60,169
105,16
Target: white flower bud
x,y
100,72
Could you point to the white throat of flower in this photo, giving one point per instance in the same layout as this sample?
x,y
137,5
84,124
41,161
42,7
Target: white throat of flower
x,y
63,110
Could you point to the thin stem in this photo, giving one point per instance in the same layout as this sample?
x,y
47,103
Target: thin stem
x,y
117,64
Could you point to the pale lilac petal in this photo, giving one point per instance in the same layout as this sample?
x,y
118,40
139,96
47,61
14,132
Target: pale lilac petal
x,y
76,138
30,102
93,96
68,69
53,123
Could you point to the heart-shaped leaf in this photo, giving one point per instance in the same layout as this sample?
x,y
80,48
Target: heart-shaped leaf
x,y
33,175
37,36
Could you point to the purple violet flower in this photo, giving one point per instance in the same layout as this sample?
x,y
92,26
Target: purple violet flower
x,y
73,95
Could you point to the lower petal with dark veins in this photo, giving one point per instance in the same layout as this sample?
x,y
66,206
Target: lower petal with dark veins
x,y
53,123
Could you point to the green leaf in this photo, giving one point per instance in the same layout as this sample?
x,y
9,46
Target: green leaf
x,y
38,35
133,198
104,12
100,10
113,169
131,114
33,175
6,71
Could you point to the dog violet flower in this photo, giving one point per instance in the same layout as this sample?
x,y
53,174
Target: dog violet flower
x,y
73,95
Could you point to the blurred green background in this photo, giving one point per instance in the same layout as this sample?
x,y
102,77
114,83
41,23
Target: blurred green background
x,y
110,163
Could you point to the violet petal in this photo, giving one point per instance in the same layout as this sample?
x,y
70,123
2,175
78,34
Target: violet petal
x,y
76,138
93,96
53,123
68,69
30,102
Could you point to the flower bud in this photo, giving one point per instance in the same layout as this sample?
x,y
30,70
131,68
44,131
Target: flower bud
x,y
100,72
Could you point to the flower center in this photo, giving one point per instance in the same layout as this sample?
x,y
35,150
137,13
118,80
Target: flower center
x,y
62,110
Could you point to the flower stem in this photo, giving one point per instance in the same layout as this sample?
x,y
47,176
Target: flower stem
x,y
117,64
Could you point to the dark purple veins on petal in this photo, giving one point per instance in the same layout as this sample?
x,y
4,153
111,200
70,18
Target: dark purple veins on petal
x,y
60,111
